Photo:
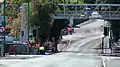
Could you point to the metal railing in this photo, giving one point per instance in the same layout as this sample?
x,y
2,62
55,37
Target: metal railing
x,y
84,11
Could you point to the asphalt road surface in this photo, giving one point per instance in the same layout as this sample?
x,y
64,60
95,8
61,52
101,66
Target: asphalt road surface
x,y
81,52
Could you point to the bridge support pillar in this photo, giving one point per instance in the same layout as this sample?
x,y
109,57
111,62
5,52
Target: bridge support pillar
x,y
71,21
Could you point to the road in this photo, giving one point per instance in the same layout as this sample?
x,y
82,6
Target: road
x,y
81,52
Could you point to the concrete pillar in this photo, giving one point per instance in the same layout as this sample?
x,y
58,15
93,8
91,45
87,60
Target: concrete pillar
x,y
71,22
23,38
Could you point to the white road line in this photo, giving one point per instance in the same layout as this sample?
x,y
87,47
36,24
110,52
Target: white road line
x,y
103,61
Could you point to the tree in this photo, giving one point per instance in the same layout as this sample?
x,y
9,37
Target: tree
x,y
13,7
70,1
90,1
13,10
42,16
42,12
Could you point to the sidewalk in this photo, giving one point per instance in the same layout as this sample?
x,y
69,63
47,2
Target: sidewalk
x,y
20,56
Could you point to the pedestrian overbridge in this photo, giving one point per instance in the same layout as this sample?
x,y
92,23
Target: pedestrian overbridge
x,y
88,11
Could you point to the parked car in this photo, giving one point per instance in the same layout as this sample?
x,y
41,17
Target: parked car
x,y
15,48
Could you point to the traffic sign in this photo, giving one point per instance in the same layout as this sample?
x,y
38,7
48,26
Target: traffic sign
x,y
2,29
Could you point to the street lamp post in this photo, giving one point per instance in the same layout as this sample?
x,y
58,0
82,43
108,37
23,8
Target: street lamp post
x,y
4,44
28,18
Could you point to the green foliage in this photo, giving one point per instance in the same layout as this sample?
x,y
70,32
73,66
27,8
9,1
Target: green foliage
x,y
44,9
89,1
41,12
113,1
13,7
42,16
70,1
25,1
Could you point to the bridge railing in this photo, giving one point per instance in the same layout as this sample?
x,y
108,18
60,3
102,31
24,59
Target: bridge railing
x,y
89,11
90,14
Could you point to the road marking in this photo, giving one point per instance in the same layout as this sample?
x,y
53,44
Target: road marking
x,y
101,64
104,60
